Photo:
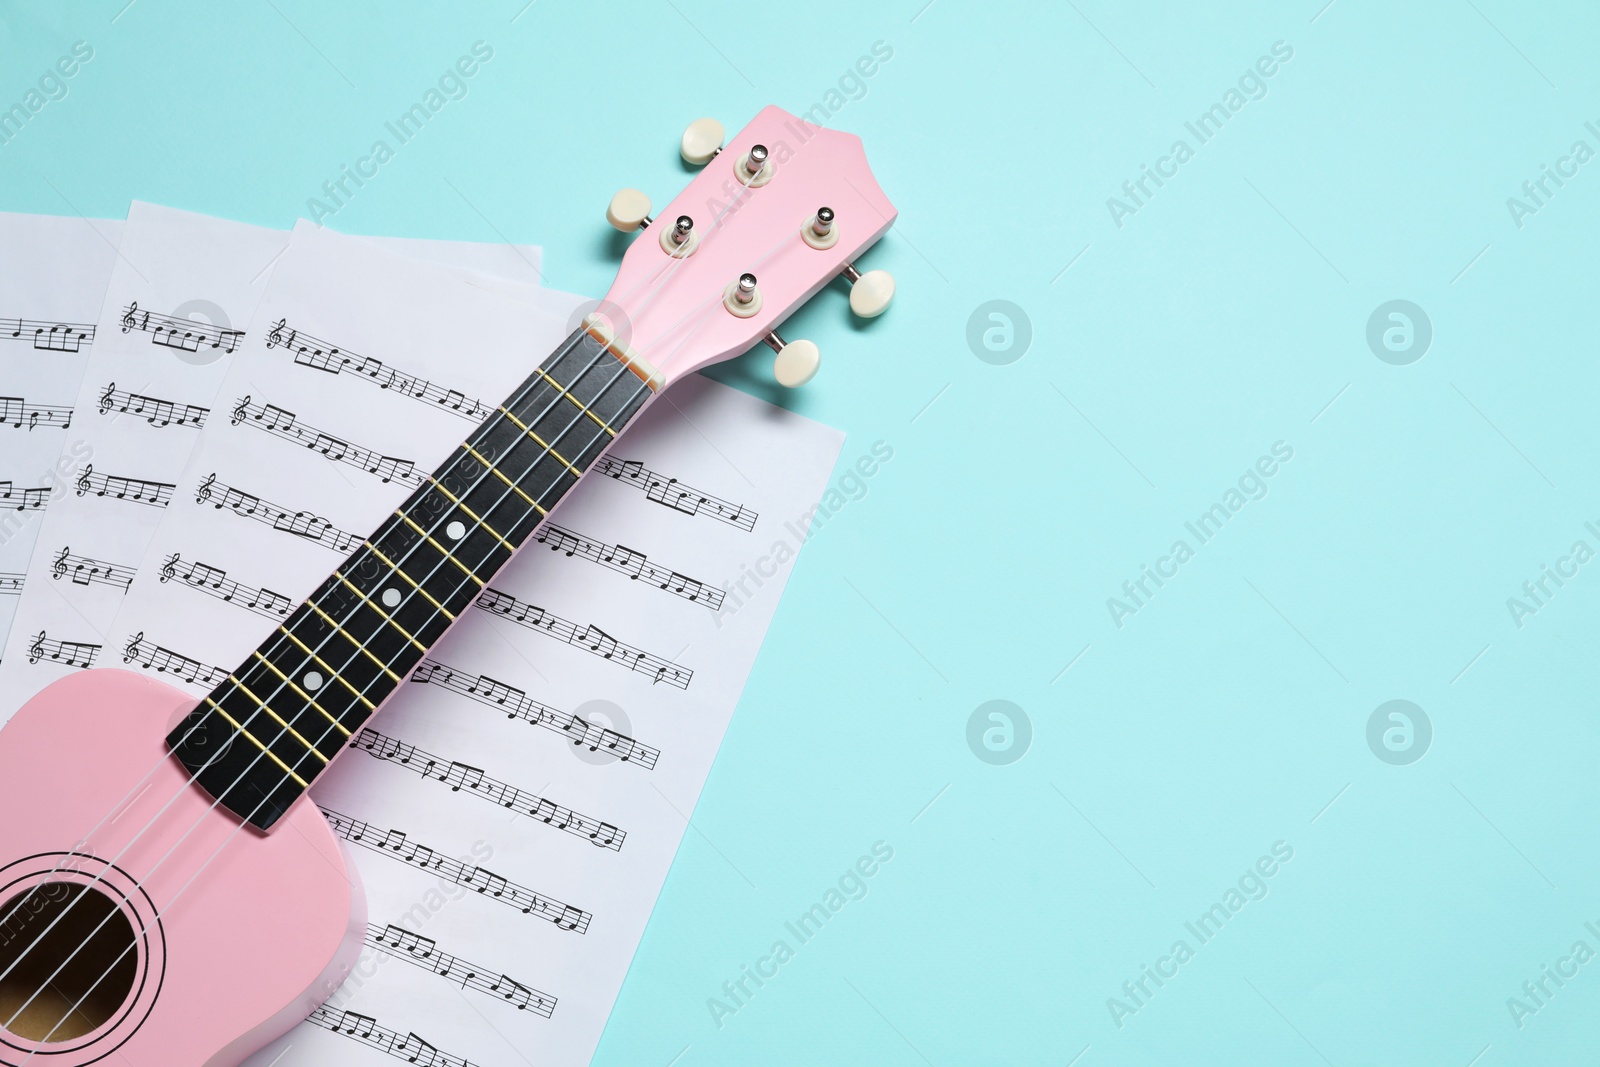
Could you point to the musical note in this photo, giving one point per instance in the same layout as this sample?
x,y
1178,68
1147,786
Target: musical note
x,y
47,336
319,355
84,570
184,334
24,499
118,487
398,943
68,653
671,493
590,638
10,582
154,410
491,886
302,524
150,656
215,582
634,564
284,424
460,777
16,412
516,704
365,1030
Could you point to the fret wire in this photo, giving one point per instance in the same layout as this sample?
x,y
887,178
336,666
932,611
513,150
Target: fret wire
x,y
442,550
385,615
395,567
549,448
319,661
253,740
437,484
273,667
634,400
581,406
276,717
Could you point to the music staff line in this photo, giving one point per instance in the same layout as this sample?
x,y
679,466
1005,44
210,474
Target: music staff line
x,y
393,843
635,565
11,583
518,705
151,656
399,943
15,412
318,354
283,424
365,1029
46,336
187,335
463,777
214,582
671,493
119,487
71,653
590,638
23,499
302,524
152,409
84,570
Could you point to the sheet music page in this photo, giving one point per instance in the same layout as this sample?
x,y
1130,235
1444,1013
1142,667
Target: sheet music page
x,y
53,276
181,292
511,856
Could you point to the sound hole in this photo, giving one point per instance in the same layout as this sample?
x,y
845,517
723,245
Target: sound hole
x,y
46,996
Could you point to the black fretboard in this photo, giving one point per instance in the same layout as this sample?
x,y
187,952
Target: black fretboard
x,y
260,739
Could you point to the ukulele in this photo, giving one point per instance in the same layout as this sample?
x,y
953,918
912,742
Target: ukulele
x,y
169,894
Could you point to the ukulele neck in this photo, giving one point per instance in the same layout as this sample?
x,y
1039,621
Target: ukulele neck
x,y
258,741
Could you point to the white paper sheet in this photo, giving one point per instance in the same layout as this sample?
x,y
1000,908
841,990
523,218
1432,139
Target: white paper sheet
x,y
181,292
53,276
514,946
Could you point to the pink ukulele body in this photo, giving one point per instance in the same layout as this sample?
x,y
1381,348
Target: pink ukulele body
x,y
224,922
241,952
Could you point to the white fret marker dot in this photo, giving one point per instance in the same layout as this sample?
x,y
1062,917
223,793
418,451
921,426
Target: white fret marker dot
x,y
455,531
313,681
391,597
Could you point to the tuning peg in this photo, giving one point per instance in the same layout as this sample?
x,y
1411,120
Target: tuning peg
x,y
870,293
701,141
629,210
797,361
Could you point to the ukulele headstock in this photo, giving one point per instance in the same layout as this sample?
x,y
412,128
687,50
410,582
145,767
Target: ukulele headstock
x,y
774,217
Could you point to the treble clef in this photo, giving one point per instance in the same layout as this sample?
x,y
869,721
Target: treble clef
x,y
240,411
107,397
128,320
169,567
83,479
130,651
203,494
59,566
275,338
36,649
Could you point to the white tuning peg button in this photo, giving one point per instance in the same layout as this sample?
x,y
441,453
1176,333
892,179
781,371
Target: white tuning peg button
x,y
797,363
701,141
629,210
870,293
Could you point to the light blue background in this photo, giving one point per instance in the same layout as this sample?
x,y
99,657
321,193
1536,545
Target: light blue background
x,y
1227,314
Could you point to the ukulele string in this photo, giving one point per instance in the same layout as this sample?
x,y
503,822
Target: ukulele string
x,y
478,524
